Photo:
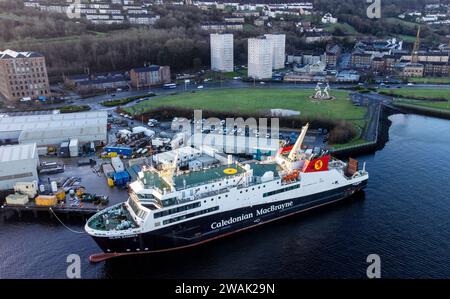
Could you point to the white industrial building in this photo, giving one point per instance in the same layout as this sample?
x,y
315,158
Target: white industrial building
x,y
53,129
18,163
260,58
222,52
278,50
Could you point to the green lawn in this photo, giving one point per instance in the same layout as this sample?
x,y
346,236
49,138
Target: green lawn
x,y
428,104
430,80
258,99
407,38
419,92
346,28
396,21
354,142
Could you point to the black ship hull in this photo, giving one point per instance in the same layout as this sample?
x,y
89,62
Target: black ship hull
x,y
208,228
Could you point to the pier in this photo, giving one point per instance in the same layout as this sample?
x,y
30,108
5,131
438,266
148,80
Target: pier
x,y
83,211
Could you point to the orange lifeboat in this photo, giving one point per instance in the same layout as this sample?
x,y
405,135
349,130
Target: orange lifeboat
x,y
291,176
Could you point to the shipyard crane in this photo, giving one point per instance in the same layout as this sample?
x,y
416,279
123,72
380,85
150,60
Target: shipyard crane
x,y
415,51
293,154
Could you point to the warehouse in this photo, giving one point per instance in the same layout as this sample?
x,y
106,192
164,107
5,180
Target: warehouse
x,y
18,163
52,129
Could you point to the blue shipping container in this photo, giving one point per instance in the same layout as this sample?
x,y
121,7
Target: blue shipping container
x,y
121,178
119,150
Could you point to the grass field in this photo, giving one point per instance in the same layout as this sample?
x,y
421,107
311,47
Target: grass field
x,y
428,104
418,92
344,27
407,38
258,100
396,21
430,80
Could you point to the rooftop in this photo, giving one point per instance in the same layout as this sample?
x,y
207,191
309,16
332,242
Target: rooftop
x,y
151,68
55,121
18,152
13,54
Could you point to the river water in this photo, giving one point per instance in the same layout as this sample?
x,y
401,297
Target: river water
x,y
403,216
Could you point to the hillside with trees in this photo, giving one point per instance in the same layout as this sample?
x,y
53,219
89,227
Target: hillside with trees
x,y
72,46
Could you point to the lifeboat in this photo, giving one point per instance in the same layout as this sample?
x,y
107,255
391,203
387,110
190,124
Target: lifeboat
x,y
291,176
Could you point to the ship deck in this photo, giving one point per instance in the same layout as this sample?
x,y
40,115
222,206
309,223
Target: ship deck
x,y
191,179
196,178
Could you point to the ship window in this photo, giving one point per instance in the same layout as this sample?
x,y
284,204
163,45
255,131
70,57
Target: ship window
x,y
281,190
178,209
190,215
169,201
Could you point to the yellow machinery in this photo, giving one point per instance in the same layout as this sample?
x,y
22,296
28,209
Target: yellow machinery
x,y
61,195
46,200
110,182
80,191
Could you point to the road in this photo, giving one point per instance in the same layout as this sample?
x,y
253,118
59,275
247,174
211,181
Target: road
x,y
373,101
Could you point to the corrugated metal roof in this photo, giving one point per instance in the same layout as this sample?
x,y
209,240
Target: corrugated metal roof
x,y
53,121
17,152
58,133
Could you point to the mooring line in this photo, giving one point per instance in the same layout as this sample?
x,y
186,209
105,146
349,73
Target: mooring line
x,y
74,231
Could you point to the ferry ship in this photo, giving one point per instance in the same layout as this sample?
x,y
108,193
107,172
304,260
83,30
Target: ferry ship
x,y
169,210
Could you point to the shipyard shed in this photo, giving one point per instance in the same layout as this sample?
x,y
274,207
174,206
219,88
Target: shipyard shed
x,y
18,163
53,129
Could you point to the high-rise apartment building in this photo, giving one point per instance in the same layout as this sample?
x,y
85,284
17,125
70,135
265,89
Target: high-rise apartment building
x,y
221,52
279,50
260,58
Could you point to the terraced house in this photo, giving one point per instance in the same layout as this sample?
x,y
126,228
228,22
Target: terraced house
x,y
149,76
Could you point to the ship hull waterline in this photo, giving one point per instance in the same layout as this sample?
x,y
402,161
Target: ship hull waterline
x,y
205,229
